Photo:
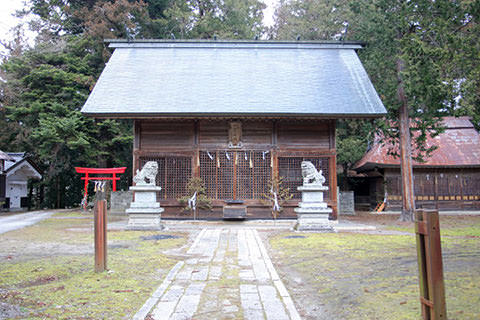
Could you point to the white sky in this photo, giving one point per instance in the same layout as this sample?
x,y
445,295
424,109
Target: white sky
x,y
269,11
7,8
8,21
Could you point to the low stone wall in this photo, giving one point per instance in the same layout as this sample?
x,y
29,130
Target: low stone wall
x,y
120,201
346,203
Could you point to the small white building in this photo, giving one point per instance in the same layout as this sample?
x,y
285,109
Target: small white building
x,y
3,157
18,170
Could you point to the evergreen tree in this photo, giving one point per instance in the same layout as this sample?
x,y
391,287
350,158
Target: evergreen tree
x,y
44,91
46,86
204,19
310,19
413,56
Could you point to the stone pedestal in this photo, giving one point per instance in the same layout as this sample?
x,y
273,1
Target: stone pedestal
x,y
312,211
145,212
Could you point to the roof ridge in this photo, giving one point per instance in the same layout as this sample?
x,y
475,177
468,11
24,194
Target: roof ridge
x,y
239,41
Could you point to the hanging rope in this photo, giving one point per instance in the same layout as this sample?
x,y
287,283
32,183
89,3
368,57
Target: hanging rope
x,y
84,201
192,202
209,155
264,153
99,185
276,206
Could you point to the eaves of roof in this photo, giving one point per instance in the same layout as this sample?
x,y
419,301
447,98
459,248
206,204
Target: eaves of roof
x,y
457,147
4,156
234,43
217,116
18,163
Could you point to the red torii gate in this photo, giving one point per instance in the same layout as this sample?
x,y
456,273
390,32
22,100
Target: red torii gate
x,y
112,171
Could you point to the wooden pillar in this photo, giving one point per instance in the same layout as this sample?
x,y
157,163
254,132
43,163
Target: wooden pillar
x,y
435,181
273,150
333,185
136,149
196,153
333,169
462,202
136,145
100,229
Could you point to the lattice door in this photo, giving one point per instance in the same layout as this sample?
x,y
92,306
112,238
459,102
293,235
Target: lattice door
x,y
290,169
225,171
236,175
173,174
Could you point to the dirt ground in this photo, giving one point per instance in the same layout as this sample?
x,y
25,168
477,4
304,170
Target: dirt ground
x,y
46,270
374,275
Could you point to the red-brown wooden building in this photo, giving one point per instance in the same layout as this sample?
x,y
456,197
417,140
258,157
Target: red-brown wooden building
x,y
448,180
234,112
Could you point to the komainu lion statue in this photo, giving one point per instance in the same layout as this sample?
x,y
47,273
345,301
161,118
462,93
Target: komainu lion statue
x,y
148,172
311,175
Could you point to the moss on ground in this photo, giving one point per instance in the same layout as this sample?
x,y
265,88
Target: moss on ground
x,y
369,276
454,226
64,286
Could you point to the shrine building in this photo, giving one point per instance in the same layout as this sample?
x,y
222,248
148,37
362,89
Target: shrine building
x,y
234,113
447,180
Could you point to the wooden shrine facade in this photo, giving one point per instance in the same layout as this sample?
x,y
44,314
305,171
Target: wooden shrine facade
x,y
448,180
442,188
234,112
203,148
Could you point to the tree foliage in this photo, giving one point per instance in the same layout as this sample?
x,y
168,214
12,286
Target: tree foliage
x,y
46,86
310,19
277,195
196,186
422,57
427,50
44,91
226,19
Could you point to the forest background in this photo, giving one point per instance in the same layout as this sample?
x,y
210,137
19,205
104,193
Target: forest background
x,y
423,58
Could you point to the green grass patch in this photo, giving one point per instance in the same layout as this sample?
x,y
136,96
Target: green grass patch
x,y
65,286
79,214
367,276
450,226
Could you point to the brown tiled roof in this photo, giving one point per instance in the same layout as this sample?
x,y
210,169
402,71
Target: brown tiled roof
x,y
458,146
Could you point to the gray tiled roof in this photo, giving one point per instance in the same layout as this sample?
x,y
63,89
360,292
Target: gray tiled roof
x,y
233,78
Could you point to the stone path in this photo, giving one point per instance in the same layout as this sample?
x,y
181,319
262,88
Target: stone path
x,y
227,275
22,220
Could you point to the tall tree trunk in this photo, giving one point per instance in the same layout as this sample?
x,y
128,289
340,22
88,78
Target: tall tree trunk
x,y
406,171
58,192
30,193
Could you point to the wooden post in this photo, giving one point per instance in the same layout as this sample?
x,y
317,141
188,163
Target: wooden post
x,y
333,186
100,227
430,266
